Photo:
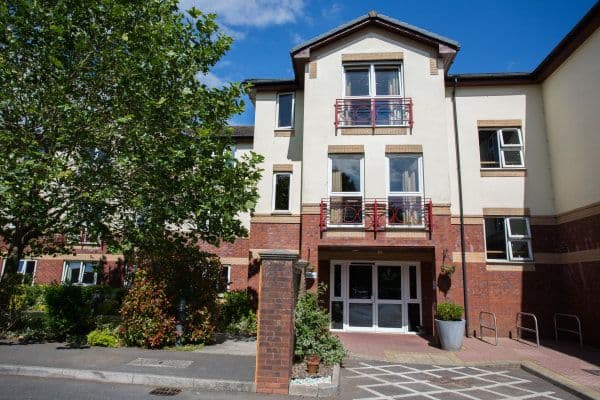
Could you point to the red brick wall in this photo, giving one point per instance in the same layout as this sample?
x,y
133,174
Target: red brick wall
x,y
274,236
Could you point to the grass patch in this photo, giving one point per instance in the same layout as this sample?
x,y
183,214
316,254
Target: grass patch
x,y
185,347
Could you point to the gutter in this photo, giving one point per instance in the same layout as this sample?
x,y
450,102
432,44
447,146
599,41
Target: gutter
x,y
461,212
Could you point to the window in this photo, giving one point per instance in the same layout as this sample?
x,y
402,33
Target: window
x,y
405,189
281,191
226,277
501,148
80,273
346,189
370,80
285,110
25,267
508,239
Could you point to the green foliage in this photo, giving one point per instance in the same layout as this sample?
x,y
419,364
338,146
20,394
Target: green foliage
x,y
237,315
312,331
449,311
71,310
103,337
106,126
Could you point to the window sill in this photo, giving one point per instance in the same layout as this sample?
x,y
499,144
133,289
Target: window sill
x,y
284,132
510,266
503,172
281,212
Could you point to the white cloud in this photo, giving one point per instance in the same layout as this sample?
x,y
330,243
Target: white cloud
x,y
296,38
210,80
258,13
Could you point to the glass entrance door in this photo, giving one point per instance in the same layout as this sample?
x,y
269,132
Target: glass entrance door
x,y
375,296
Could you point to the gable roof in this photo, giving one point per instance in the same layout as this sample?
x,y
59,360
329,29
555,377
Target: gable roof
x,y
379,19
300,54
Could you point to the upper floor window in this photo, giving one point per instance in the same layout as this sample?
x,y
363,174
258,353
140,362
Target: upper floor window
x,y
346,189
405,189
80,273
508,239
26,268
501,148
285,110
281,191
370,80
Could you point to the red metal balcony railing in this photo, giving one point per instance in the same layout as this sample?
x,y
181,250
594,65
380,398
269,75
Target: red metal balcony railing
x,y
376,214
374,112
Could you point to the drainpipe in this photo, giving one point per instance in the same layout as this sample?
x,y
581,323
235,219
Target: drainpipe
x,y
461,212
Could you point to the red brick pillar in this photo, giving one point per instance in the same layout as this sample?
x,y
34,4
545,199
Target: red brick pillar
x,y
275,333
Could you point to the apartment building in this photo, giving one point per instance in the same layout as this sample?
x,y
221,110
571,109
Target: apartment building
x,y
383,171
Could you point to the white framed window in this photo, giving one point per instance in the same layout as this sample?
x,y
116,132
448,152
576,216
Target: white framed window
x,y
226,276
285,110
405,190
501,148
508,239
378,79
26,267
346,189
281,191
80,273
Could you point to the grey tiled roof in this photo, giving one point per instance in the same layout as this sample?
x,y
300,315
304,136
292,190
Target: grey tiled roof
x,y
242,131
374,14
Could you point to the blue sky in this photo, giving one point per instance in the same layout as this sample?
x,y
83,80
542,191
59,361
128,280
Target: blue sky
x,y
495,36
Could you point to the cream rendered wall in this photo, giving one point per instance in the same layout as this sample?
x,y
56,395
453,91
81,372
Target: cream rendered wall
x,y
572,107
242,148
429,129
500,102
277,150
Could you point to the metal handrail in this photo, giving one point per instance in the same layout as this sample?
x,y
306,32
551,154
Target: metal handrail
x,y
522,328
577,332
481,325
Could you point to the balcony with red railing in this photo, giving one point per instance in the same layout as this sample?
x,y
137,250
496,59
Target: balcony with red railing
x,y
374,112
376,215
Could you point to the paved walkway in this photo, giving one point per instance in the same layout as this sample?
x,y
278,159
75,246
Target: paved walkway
x,y
224,366
581,366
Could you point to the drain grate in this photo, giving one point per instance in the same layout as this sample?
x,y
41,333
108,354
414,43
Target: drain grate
x,y
450,383
593,371
165,391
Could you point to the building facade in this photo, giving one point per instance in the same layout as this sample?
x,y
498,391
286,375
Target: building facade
x,y
397,182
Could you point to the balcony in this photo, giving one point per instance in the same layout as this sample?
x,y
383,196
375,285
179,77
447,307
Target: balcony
x,y
376,215
374,112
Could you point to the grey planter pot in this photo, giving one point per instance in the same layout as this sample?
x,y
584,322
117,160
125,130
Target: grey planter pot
x,y
451,334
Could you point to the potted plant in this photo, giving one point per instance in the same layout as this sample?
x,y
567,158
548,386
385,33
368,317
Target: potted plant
x,y
450,325
312,364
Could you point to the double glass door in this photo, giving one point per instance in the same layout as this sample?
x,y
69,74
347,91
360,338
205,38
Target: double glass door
x,y
375,296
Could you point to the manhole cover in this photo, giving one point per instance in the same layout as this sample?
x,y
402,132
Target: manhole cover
x,y
450,383
153,362
593,371
165,391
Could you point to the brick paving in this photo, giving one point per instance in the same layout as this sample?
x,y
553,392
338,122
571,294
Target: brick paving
x,y
565,359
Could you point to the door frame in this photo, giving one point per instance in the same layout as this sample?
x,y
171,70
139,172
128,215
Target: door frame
x,y
375,301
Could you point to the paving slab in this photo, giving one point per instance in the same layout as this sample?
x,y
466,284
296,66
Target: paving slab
x,y
182,364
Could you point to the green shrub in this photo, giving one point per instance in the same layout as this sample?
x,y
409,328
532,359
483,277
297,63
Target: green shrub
x,y
69,311
236,314
449,311
110,322
312,331
103,337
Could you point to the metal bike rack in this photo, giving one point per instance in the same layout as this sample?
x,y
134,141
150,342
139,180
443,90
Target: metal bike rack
x,y
522,328
577,332
481,325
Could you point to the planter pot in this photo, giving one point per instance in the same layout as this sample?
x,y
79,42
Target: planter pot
x,y
451,334
312,369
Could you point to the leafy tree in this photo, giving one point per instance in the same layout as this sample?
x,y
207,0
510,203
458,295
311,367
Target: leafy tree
x,y
105,127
